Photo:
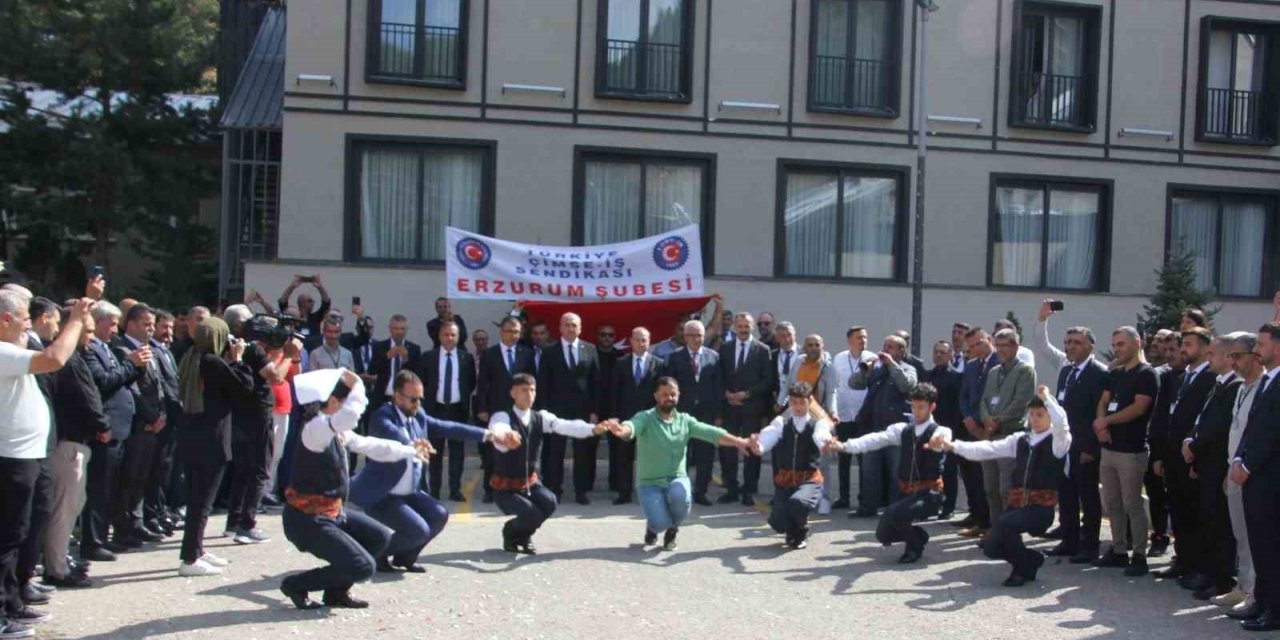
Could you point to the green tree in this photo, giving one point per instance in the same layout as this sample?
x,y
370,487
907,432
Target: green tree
x,y
1175,292
115,157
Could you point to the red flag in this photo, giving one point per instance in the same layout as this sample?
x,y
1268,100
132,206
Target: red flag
x,y
658,316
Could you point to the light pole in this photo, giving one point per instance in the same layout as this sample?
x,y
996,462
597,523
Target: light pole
x,y
922,148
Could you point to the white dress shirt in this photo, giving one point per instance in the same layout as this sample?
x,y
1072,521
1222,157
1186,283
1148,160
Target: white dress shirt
x,y
892,437
573,348
772,434
1188,378
407,485
320,430
1007,447
500,426
848,400
455,393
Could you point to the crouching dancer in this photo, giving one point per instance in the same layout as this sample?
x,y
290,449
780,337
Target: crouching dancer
x,y
797,440
517,439
919,472
314,518
1039,470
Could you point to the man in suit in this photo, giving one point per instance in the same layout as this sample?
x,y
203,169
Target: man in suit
x,y
568,383
635,380
444,313
784,361
982,360
113,377
1003,413
158,502
887,379
149,419
1255,468
1166,450
389,357
360,343
396,493
947,381
911,359
745,368
450,377
608,355
696,369
1171,372
498,365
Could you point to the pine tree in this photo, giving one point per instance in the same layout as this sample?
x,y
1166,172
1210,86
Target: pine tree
x,y
1176,292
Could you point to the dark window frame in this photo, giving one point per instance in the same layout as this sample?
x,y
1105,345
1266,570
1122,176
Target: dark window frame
x,y
902,223
893,90
1268,127
1090,64
707,161
687,35
372,52
1270,252
357,143
1102,259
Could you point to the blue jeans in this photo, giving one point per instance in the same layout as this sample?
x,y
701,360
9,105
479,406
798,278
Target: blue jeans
x,y
665,508
416,520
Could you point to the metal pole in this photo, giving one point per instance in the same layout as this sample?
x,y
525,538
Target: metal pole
x,y
922,149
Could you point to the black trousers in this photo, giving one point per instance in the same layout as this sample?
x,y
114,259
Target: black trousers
x,y
1261,499
529,510
41,509
742,423
552,462
792,506
131,490
1079,493
584,464
1219,556
17,486
101,483
349,544
975,492
622,461
897,522
1183,494
249,478
1005,542
203,480
486,463
457,449
702,455
844,468
1157,502
159,498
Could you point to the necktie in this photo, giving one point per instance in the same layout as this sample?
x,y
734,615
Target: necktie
x,y
573,357
786,364
957,361
448,377
697,366
1182,388
1071,380
395,363
639,370
511,360
742,354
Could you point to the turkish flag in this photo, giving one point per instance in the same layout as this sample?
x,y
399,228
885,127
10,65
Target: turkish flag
x,y
658,316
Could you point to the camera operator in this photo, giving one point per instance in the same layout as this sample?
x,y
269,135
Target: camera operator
x,y
268,354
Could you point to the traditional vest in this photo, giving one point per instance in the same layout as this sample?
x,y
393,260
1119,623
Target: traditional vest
x,y
1037,474
919,469
319,482
796,456
516,470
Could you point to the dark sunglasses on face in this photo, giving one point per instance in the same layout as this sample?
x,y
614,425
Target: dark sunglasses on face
x,y
414,399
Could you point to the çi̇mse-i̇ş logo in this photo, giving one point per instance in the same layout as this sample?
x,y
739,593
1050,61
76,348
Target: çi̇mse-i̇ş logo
x,y
671,253
473,254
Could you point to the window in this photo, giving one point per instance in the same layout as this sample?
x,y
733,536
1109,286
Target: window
x,y
1055,66
1238,81
418,42
854,48
643,50
841,222
1227,235
624,195
406,193
1048,235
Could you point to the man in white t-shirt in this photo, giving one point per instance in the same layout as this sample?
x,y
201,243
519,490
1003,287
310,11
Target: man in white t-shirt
x,y
24,431
848,401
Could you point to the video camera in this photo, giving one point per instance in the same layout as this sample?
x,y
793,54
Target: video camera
x,y
273,330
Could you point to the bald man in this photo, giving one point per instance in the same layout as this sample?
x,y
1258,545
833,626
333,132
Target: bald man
x,y
569,383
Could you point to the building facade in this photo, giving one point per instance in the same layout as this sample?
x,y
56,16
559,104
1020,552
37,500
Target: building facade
x,y
1071,146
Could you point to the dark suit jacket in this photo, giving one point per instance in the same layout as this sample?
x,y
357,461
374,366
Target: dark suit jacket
x,y
1158,427
1211,434
569,394
630,398
1259,448
431,373
755,376
493,383
169,380
1182,421
975,381
147,390
608,361
381,366
355,343
114,379
376,479
775,360
1081,405
77,404
702,398
948,382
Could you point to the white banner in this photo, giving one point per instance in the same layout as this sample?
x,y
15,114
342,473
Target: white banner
x,y
662,266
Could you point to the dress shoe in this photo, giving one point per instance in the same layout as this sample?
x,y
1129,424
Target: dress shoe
x,y
967,522
1014,580
650,538
622,500
488,497
1053,534
32,595
121,546
1159,545
410,566
748,500
1137,566
1249,611
1061,551
71,581
271,502
98,554
1265,622
1212,591
842,503
728,498
300,599
527,548
862,512
1111,560
669,539
701,500
142,534
973,532
1083,557
944,516
582,499
909,556
383,565
456,496
344,600
1195,582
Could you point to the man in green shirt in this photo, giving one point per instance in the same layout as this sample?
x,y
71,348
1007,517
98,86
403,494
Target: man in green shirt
x,y
662,436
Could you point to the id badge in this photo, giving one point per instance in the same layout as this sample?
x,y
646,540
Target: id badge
x,y
995,400
1113,407
1062,396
